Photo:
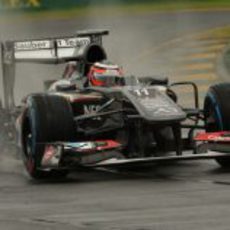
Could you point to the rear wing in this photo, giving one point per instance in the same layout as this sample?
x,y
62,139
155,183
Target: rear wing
x,y
48,51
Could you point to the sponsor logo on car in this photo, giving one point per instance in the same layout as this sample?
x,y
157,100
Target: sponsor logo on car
x,y
73,42
32,45
89,109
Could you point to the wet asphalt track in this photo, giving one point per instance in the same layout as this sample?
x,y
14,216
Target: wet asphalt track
x,y
190,195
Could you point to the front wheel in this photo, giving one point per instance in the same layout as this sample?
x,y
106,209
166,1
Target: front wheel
x,y
48,118
217,113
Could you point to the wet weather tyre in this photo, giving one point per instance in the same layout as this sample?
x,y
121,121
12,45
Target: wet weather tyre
x,y
49,118
217,112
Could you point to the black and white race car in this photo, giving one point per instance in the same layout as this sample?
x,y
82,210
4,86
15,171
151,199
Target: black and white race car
x,y
136,123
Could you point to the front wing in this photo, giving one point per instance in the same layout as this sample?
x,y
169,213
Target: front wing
x,y
107,154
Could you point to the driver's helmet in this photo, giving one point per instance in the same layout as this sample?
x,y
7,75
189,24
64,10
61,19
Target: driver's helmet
x,y
105,74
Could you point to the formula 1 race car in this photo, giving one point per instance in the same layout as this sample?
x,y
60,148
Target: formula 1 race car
x,y
134,122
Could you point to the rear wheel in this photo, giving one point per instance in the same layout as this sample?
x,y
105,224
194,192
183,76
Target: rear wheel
x,y
48,118
217,112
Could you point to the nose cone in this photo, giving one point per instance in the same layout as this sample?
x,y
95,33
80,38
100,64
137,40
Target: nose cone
x,y
155,106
